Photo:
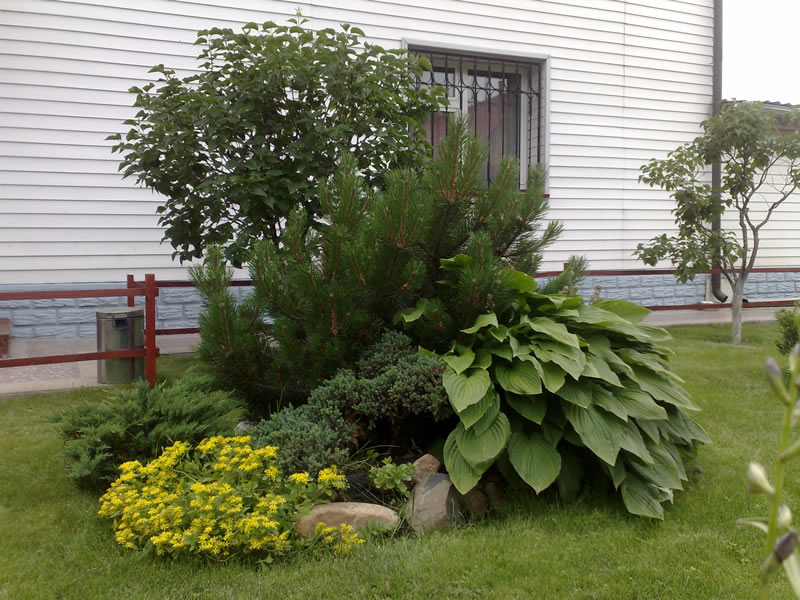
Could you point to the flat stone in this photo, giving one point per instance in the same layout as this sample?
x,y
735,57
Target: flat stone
x,y
355,514
475,502
433,504
425,466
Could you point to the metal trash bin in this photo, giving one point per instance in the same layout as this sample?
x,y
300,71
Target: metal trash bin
x,y
120,328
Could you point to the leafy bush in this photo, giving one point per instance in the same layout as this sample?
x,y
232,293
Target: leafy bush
x,y
398,385
392,479
310,437
136,423
789,326
235,146
220,500
322,296
551,389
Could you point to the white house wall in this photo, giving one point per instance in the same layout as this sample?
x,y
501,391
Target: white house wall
x,y
627,81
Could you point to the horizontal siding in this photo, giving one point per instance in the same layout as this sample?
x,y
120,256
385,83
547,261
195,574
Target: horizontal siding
x,y
628,81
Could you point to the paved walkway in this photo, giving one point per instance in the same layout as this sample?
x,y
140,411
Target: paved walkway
x,y
43,378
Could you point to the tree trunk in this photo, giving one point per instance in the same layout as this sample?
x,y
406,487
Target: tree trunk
x,y
737,294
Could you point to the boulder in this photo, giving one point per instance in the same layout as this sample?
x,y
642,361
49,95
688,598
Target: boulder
x,y
242,426
356,514
433,504
475,502
425,466
496,495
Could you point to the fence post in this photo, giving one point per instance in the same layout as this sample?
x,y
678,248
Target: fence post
x,y
131,284
150,328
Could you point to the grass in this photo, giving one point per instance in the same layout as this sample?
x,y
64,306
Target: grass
x,y
53,546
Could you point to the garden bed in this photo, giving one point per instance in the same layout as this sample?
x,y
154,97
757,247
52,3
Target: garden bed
x,y
52,544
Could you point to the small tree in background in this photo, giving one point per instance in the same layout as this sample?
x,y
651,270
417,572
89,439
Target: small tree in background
x,y
760,156
237,146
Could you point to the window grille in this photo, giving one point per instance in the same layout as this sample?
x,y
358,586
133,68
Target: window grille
x,y
501,98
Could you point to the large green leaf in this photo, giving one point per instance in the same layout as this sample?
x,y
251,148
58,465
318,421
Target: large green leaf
x,y
466,388
635,444
488,418
474,412
532,408
518,348
481,322
457,263
483,359
640,405
600,346
478,449
629,311
640,498
517,280
662,388
593,315
650,428
460,363
663,471
500,333
463,475
599,431
597,368
553,330
617,472
536,461
576,392
605,399
572,360
552,375
518,377
503,352
651,361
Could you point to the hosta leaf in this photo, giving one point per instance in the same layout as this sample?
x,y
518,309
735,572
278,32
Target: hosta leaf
x,y
650,428
600,346
599,431
517,280
640,498
500,333
617,472
640,405
518,377
552,375
457,263
478,449
536,461
463,475
572,360
474,412
607,400
532,408
552,432
408,315
553,330
594,315
576,392
635,444
483,359
629,311
656,334
467,388
597,368
481,322
517,348
488,417
503,352
650,361
663,472
460,363
662,389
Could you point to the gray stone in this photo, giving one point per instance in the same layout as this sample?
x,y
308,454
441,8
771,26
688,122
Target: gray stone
x,y
242,426
169,311
34,317
76,315
433,504
475,502
424,466
355,514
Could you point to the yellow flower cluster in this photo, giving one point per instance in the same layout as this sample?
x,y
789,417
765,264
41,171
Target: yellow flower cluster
x,y
342,538
224,499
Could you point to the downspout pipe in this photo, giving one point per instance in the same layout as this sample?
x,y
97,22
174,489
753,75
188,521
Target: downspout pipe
x,y
716,168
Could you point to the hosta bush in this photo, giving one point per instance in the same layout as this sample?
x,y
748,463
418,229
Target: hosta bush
x,y
137,422
551,388
220,500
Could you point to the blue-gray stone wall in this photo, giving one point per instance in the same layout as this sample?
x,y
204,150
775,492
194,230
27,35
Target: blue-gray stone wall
x,y
178,308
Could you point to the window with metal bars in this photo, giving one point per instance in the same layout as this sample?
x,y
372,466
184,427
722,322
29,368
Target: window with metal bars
x,y
501,99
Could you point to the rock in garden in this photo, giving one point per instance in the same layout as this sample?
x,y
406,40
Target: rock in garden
x,y
357,514
433,504
496,495
475,502
242,426
424,466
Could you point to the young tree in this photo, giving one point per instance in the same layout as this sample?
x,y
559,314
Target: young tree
x,y
235,147
759,152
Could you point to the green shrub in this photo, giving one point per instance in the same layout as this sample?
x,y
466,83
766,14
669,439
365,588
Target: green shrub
x,y
551,388
789,326
221,500
392,480
310,437
136,423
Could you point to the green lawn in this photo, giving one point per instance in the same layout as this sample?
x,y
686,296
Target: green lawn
x,y
53,546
